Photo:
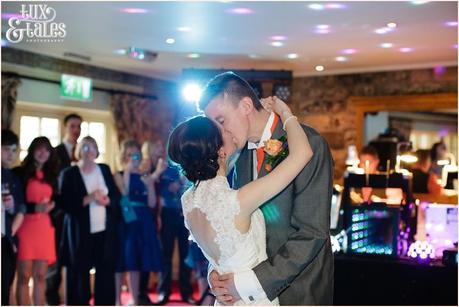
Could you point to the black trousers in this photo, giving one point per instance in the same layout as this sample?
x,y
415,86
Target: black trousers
x,y
78,286
8,269
173,227
143,285
54,274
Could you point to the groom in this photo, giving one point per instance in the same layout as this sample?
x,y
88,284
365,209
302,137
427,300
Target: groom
x,y
299,268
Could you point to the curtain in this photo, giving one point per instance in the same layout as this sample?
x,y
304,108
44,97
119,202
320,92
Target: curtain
x,y
142,119
10,83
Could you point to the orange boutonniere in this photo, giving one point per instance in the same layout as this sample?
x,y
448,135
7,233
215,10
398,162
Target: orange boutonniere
x,y
276,150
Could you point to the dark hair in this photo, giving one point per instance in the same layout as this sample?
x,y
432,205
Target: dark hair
x,y
9,138
423,156
194,145
71,116
231,84
370,150
131,143
50,168
434,150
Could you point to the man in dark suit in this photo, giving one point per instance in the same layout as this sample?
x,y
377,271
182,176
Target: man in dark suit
x,y
66,155
13,209
299,268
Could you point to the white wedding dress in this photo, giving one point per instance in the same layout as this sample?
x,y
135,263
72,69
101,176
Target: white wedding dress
x,y
210,210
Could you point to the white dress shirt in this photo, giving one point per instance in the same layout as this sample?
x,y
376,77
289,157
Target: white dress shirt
x,y
97,213
247,284
70,148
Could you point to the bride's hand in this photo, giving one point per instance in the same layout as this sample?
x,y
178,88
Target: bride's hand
x,y
274,104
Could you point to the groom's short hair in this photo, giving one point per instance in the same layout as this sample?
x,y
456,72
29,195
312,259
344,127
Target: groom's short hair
x,y
231,84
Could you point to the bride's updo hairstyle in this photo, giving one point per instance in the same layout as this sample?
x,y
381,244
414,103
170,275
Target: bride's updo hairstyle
x,y
194,145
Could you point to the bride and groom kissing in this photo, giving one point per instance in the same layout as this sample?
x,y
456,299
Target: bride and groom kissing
x,y
265,234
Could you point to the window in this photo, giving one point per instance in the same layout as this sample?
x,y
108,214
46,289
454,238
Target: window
x,y
98,132
34,126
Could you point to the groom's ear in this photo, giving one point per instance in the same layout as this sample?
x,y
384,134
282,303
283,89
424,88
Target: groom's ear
x,y
246,104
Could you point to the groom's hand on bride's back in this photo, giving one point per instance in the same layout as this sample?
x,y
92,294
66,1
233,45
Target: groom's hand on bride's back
x,y
223,288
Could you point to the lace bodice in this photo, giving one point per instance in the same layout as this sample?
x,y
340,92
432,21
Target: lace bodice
x,y
210,211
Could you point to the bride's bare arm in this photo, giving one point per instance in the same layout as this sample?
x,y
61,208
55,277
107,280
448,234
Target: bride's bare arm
x,y
255,193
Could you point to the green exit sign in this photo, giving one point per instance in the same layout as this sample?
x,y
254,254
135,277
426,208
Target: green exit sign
x,y
76,88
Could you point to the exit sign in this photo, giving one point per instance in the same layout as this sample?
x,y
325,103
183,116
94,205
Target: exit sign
x,y
76,88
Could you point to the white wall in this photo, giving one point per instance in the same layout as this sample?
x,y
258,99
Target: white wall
x,y
375,125
49,93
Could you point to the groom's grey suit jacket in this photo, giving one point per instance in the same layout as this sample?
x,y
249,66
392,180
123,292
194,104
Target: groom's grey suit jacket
x,y
299,268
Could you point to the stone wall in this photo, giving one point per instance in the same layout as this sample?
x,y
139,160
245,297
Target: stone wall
x,y
322,101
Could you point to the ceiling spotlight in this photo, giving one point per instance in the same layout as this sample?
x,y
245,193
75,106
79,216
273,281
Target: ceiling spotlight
x,y
451,23
184,29
322,27
131,10
406,49
419,2
340,59
334,6
170,41
194,55
316,6
386,45
278,38
240,11
322,31
384,30
292,56
192,92
319,68
349,51
277,44
391,25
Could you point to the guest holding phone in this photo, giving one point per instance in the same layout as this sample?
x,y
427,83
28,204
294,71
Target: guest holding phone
x,y
139,248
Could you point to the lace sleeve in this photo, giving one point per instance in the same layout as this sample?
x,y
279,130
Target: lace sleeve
x,y
212,225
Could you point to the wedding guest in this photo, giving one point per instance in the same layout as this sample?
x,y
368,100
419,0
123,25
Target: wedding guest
x,y
36,249
423,181
66,155
90,199
66,150
13,210
171,188
437,153
369,159
139,244
151,152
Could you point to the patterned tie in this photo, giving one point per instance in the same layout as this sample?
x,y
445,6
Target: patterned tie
x,y
260,158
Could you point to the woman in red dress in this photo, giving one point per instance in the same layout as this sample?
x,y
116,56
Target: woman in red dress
x,y
36,248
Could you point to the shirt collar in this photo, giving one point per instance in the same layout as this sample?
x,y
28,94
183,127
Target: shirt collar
x,y
266,135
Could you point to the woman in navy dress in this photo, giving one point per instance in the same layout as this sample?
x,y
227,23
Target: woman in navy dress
x,y
139,247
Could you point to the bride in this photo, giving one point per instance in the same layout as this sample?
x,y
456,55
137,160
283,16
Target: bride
x,y
227,224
